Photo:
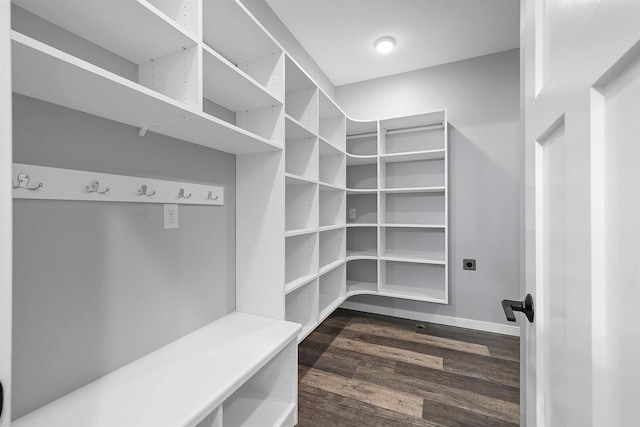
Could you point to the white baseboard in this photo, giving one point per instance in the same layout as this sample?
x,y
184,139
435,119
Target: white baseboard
x,y
435,318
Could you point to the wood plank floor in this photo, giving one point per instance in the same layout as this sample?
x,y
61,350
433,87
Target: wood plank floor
x,y
359,369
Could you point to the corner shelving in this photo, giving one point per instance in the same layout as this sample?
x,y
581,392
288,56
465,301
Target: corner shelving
x,y
362,139
425,208
332,126
332,206
414,280
230,30
332,164
332,290
362,242
362,208
301,98
301,306
301,204
419,244
362,276
301,259
301,152
332,247
423,132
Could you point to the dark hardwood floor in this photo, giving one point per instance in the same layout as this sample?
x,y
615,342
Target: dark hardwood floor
x,y
360,369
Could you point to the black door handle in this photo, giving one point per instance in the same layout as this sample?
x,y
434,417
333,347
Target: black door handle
x,y
526,306
1,399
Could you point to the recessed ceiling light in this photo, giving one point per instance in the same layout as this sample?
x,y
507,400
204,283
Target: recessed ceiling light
x,y
385,44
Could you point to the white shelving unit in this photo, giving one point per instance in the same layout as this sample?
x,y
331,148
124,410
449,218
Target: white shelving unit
x,y
206,72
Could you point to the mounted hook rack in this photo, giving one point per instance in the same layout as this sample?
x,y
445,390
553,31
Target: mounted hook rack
x,y
94,187
23,182
181,194
143,191
210,196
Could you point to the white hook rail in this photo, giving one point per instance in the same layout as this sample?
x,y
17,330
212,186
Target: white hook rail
x,y
68,184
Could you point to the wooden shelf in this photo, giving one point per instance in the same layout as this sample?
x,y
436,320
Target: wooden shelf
x,y
48,74
331,227
206,366
353,224
143,31
229,86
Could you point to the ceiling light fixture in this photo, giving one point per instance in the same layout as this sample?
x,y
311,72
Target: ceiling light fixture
x,y
385,44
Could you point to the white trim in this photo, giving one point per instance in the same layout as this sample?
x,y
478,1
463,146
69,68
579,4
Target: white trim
x,y
460,322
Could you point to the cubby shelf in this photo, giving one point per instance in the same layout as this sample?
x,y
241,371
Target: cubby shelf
x,y
229,86
296,130
43,72
324,186
254,408
144,31
300,232
352,224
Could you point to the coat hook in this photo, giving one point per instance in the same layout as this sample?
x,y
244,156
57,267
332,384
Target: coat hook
x,y
210,196
181,194
94,187
143,191
23,182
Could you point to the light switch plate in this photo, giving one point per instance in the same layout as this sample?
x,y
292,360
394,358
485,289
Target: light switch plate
x,y
352,213
171,219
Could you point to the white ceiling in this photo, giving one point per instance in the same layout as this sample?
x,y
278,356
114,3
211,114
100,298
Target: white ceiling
x,y
339,34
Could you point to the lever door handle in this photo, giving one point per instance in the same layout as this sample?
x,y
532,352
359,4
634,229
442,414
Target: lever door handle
x,y
526,306
1,399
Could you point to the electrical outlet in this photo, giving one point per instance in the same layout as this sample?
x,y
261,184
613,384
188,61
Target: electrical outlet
x,y
171,216
469,264
352,214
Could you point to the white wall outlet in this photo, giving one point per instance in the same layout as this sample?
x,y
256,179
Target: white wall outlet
x,y
352,214
171,216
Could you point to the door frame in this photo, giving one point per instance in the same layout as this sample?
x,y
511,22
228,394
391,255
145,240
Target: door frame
x,y
6,210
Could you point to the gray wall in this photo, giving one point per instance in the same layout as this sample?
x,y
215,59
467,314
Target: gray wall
x,y
97,285
481,96
268,18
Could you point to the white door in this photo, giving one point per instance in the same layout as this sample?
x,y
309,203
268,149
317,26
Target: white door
x,y
581,73
5,211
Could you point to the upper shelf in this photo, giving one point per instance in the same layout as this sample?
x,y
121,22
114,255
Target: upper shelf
x,y
143,31
177,385
231,87
229,28
413,156
48,74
